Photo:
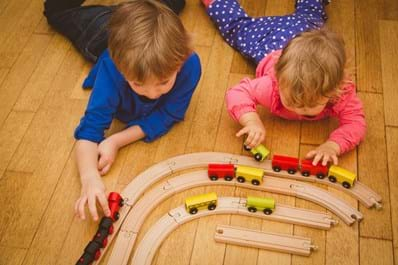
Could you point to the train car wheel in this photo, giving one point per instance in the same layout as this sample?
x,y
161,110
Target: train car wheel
x,y
97,255
116,216
213,178
255,182
305,173
105,242
252,209
332,179
346,185
276,168
193,211
320,176
258,157
228,178
121,203
291,171
241,179
211,207
246,147
267,211
110,230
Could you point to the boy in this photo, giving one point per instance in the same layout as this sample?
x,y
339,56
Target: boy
x,y
145,78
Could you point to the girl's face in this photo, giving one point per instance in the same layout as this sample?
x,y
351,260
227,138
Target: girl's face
x,y
305,111
153,88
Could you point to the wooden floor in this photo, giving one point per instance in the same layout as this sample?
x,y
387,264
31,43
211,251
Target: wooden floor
x,y
41,102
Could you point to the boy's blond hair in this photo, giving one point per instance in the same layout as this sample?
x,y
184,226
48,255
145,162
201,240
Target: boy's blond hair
x,y
311,66
147,40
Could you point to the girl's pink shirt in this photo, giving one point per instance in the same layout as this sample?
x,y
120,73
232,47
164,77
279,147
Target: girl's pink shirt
x,y
264,90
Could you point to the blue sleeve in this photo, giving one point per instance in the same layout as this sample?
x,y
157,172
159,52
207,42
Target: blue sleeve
x,y
174,105
102,105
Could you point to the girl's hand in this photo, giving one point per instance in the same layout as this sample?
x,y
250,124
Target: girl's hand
x,y
255,131
107,151
93,189
326,152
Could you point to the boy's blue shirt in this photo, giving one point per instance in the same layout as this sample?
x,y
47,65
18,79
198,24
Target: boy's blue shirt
x,y
112,97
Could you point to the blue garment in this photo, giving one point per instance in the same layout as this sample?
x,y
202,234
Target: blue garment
x,y
112,97
257,37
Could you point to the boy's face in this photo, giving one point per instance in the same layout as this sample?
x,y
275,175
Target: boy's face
x,y
153,88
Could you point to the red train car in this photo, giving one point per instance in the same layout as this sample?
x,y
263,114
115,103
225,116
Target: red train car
x,y
115,201
290,164
216,171
308,169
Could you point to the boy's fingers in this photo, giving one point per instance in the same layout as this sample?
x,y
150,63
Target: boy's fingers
x,y
92,207
104,204
82,203
77,206
102,162
105,169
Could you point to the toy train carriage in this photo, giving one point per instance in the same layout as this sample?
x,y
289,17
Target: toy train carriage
x,y
251,174
199,202
216,171
91,253
290,164
307,168
341,175
259,152
115,201
254,204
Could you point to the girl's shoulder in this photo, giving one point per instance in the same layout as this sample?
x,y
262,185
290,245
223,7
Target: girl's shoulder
x,y
347,94
266,65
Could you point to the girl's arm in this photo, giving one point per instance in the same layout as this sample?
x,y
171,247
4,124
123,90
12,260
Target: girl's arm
x,y
352,125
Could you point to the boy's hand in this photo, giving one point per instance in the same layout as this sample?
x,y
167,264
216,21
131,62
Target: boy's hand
x,y
107,151
326,152
92,189
253,128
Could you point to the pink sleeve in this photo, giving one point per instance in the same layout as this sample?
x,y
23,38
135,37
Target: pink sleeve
x,y
245,96
352,125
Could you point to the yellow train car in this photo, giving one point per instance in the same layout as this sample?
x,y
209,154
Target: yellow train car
x,y
341,175
254,204
199,202
251,174
259,152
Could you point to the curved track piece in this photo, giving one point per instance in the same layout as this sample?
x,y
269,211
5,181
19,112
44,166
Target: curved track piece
x,y
147,248
141,210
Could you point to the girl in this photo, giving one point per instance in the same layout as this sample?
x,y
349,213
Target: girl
x,y
300,74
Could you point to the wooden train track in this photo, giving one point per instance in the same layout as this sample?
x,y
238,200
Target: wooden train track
x,y
258,239
140,211
155,173
148,246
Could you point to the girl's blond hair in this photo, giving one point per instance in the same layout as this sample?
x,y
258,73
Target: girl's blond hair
x,y
147,39
310,67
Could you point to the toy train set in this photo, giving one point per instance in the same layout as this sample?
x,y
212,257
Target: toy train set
x,y
92,251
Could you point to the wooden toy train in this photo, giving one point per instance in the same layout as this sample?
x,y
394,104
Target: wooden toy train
x,y
209,201
93,249
279,162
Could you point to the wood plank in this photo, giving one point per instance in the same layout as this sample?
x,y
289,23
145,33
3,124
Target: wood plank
x,y
372,160
12,186
40,82
31,150
43,27
204,30
343,236
389,59
368,63
390,10
3,73
375,251
20,73
11,134
21,32
12,256
392,152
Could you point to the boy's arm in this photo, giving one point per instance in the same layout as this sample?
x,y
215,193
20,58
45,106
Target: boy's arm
x,y
92,185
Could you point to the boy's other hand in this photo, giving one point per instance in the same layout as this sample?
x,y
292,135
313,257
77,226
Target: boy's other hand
x,y
107,151
93,189
326,152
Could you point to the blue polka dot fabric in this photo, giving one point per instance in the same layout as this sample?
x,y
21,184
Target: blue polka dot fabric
x,y
257,37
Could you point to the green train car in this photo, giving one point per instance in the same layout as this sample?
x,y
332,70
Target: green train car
x,y
260,152
254,204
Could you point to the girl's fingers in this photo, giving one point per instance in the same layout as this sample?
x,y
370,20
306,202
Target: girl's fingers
x,y
325,160
241,132
335,160
317,158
